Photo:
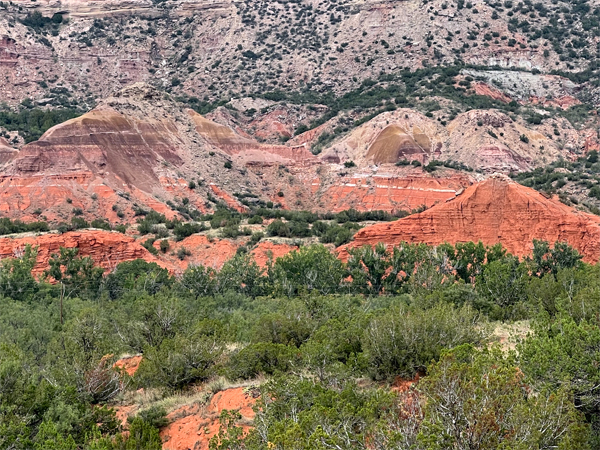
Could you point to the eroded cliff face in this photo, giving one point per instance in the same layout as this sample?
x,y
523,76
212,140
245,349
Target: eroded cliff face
x,y
494,211
389,189
106,248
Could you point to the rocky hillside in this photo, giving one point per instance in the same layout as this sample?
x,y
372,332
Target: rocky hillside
x,y
140,150
86,49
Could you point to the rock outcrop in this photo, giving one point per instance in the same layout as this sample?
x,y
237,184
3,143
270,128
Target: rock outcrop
x,y
135,150
494,211
106,248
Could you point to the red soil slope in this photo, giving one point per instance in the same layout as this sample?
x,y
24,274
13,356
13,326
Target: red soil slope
x,y
193,426
494,211
211,252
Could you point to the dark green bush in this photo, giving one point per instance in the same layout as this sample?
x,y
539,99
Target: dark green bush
x,y
261,359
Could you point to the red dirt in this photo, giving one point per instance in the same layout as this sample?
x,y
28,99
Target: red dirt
x,y
494,211
403,384
192,427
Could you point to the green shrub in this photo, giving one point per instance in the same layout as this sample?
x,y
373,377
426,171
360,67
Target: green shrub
x,y
179,361
261,359
255,220
404,341
164,245
183,230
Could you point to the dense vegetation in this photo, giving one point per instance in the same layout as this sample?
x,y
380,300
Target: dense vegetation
x,y
32,122
313,326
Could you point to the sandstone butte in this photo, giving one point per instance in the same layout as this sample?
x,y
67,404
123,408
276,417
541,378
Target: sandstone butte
x,y
496,210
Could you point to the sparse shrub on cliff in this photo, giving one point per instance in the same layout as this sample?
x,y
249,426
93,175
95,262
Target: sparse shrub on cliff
x,y
183,253
100,223
148,245
164,245
183,230
231,231
279,228
255,220
38,22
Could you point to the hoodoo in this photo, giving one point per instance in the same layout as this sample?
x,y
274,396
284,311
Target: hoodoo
x,y
496,210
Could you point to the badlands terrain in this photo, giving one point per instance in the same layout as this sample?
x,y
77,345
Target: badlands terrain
x,y
299,224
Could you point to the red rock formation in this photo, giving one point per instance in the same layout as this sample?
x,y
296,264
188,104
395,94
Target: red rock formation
x,y
106,248
102,141
563,102
391,193
494,211
8,52
212,252
394,143
129,364
228,199
192,427
6,151
204,251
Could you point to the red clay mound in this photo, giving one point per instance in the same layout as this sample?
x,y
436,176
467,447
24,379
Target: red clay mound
x,y
194,426
494,211
106,248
